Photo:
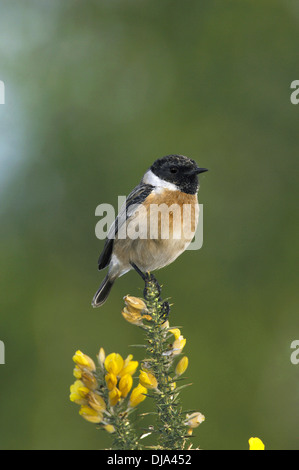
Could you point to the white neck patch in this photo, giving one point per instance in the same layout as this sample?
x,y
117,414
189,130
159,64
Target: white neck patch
x,y
152,179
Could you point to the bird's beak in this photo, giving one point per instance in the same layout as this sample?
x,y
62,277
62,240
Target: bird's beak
x,y
200,170
196,171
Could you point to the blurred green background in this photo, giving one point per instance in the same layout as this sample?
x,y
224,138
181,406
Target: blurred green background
x,y
95,92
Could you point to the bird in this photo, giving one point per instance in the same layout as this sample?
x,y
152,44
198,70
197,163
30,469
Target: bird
x,y
136,240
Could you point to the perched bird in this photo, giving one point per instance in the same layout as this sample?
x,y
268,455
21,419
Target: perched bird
x,y
136,239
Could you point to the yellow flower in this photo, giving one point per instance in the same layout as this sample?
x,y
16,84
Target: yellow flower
x,y
135,317
96,401
147,379
109,428
138,394
129,366
134,310
176,332
114,396
111,381
125,385
256,444
135,304
78,393
194,420
84,374
83,360
91,415
182,366
114,363
77,373
178,345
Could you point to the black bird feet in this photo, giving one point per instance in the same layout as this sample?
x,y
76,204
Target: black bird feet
x,y
152,291
152,288
165,311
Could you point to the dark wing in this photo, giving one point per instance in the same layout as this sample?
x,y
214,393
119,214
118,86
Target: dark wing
x,y
136,197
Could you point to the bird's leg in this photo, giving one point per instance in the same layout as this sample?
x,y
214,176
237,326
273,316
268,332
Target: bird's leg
x,y
152,287
152,292
138,271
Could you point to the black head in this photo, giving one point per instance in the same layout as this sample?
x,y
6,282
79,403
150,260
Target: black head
x,y
178,170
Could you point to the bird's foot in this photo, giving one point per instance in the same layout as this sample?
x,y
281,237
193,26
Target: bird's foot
x,y
165,312
152,288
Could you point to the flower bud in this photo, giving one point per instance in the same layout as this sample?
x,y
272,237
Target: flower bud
x,y
83,360
182,366
101,357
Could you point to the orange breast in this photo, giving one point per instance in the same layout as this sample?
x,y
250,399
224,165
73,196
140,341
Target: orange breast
x,y
179,208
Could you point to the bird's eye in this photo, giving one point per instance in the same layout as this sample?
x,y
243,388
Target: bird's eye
x,y
173,169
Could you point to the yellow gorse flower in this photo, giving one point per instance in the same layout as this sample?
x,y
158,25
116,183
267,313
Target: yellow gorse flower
x,y
194,419
179,342
77,373
138,394
135,304
109,428
125,385
111,381
96,401
256,444
89,392
83,360
114,363
147,380
87,377
176,332
91,415
135,310
182,366
178,345
114,396
129,366
119,377
78,392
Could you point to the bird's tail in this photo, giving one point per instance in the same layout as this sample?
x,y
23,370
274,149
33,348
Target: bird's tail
x,y
102,293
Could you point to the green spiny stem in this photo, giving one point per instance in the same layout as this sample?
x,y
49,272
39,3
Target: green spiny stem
x,y
124,437
170,418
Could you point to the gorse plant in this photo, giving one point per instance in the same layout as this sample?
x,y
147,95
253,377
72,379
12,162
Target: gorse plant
x,y
106,394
